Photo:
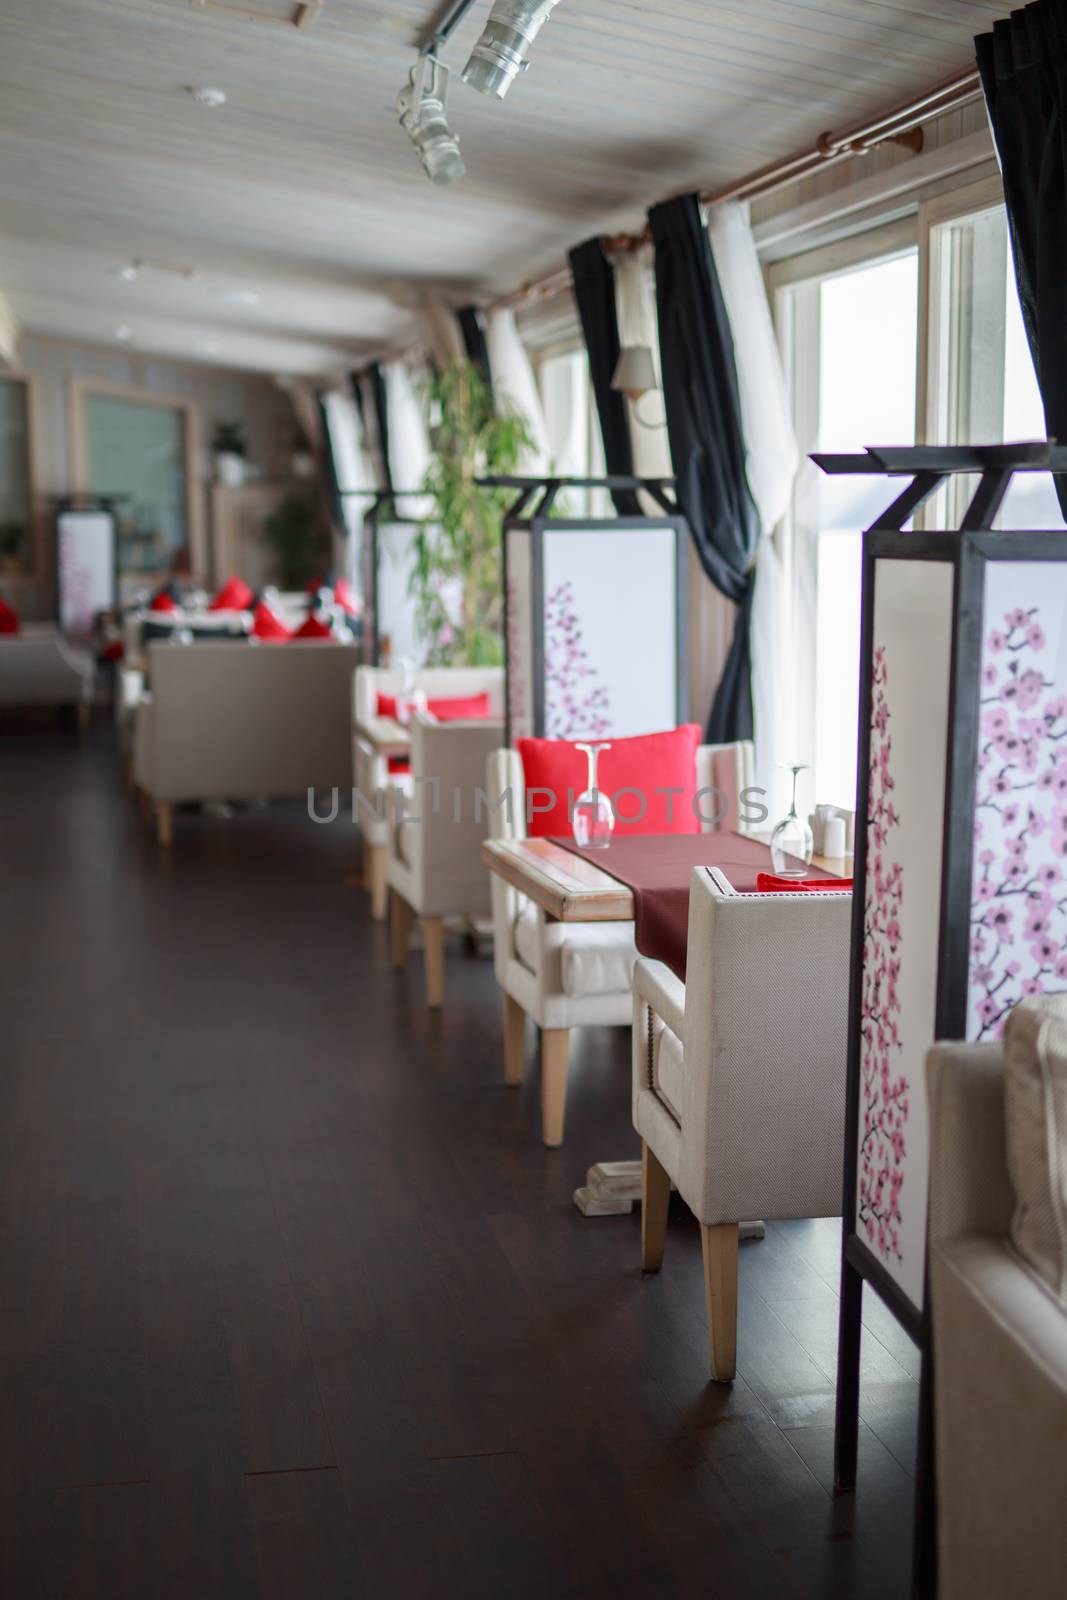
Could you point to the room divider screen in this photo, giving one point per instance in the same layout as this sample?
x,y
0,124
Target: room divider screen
x,y
594,613
960,907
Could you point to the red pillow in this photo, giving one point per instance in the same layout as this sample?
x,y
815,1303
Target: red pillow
x,y
345,596
265,625
163,601
235,595
454,708
312,628
9,618
646,763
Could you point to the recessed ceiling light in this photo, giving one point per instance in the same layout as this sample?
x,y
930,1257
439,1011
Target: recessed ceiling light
x,y
212,98
241,297
123,333
129,272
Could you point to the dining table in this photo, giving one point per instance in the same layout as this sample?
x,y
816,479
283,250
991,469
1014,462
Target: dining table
x,y
572,887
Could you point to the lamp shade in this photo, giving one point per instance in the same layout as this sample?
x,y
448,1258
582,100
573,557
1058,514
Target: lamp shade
x,y
635,373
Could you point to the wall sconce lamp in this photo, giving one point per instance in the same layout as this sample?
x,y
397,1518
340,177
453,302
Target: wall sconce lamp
x,y
635,376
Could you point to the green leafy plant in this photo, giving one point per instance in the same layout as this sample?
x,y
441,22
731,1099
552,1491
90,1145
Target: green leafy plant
x,y
456,577
229,439
299,535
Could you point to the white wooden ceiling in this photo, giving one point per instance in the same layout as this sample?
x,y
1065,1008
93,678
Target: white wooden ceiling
x,y
304,191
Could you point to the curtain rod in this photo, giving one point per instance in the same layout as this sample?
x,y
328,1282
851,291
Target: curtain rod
x,y
900,124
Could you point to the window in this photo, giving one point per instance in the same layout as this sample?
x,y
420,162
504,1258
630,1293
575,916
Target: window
x,y
981,387
848,320
16,491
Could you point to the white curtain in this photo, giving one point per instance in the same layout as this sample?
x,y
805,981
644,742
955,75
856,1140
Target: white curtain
x,y
354,471
772,459
409,439
515,384
710,618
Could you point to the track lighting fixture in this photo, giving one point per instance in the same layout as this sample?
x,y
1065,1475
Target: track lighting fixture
x,y
421,109
507,38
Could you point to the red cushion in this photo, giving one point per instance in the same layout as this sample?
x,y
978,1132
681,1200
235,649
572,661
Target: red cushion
x,y
265,625
235,595
312,628
454,708
345,596
163,601
9,618
114,650
644,763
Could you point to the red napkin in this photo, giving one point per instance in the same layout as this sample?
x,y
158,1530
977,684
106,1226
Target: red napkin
x,y
768,883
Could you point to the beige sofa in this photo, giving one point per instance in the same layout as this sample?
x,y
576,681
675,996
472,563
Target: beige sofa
x,y
999,1343
244,722
39,667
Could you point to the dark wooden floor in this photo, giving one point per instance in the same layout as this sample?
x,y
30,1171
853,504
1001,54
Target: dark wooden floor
x,y
294,1303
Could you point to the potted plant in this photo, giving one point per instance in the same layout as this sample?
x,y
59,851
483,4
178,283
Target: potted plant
x,y
299,535
456,577
231,453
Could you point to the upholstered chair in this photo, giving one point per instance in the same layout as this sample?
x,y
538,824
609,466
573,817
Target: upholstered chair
x,y
370,769
435,827
574,974
739,1076
998,1299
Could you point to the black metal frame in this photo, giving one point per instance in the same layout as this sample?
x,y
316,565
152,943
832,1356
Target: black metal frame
x,y
542,492
969,551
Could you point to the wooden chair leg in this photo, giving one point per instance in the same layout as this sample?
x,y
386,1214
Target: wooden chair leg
x,y
514,1040
85,716
399,930
165,823
433,949
374,859
555,1048
655,1201
719,1244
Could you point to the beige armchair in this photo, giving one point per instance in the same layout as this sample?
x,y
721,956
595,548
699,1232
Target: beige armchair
x,y
436,825
568,975
370,768
739,1077
39,666
999,1350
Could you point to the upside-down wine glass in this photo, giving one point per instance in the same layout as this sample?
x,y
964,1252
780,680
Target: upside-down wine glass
x,y
593,820
791,841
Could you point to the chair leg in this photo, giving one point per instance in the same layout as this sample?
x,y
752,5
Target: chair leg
x,y
399,930
655,1201
719,1244
85,716
555,1046
374,863
433,948
164,823
514,1040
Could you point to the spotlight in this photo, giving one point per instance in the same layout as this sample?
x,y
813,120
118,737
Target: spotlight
x,y
421,109
507,38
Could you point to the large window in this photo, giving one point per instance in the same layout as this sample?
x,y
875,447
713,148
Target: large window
x,y
872,359
849,323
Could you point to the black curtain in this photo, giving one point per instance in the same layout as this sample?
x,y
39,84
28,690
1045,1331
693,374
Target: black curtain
x,y
1023,66
473,335
381,417
594,291
707,444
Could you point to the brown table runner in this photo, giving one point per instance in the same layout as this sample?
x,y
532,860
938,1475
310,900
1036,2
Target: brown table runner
x,y
657,868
